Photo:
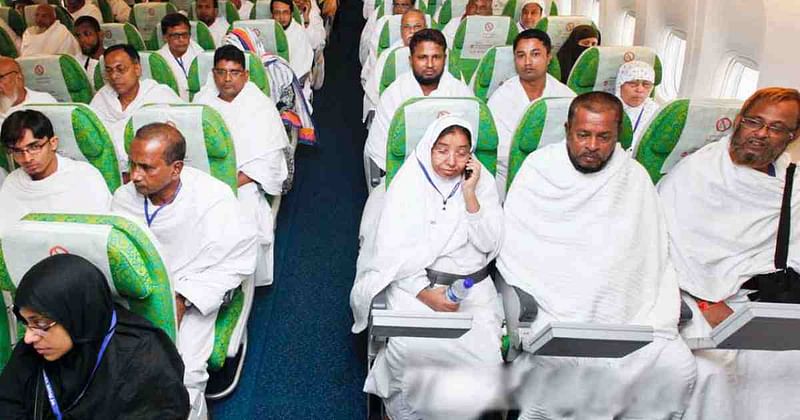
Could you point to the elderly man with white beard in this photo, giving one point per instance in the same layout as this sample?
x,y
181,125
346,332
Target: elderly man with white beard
x,y
13,93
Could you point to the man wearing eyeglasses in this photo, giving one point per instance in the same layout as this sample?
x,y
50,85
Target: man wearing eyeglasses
x,y
45,181
259,140
13,93
179,49
723,207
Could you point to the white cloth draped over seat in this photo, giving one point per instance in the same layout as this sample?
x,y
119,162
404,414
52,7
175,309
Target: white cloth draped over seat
x,y
508,103
593,248
75,187
108,108
404,88
56,39
208,251
415,232
259,139
180,66
88,9
218,31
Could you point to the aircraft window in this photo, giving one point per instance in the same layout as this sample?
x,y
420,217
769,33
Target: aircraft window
x,y
741,79
628,28
672,55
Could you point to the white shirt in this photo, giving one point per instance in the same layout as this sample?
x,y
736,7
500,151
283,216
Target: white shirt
x,y
180,65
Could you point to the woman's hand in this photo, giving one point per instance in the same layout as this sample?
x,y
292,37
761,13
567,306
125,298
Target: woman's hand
x,y
470,184
436,299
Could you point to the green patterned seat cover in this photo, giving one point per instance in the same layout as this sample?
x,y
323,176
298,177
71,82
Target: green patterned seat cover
x,y
202,64
496,66
58,75
154,67
13,19
5,161
475,35
217,137
416,114
543,124
122,33
593,69
105,10
681,127
448,10
146,16
7,46
76,124
262,10
269,33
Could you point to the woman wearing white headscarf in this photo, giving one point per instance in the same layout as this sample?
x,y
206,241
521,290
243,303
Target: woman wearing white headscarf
x,y
530,13
635,81
434,219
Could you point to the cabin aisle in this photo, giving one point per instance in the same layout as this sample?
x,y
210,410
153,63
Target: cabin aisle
x,y
302,361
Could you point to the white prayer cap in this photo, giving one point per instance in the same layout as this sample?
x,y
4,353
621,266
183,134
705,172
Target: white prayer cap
x,y
527,2
634,70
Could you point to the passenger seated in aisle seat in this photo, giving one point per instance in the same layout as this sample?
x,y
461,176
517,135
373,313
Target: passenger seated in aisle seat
x,y
585,236
79,8
635,81
722,207
197,222
47,35
259,140
437,221
208,14
532,55
399,7
124,93
73,327
474,7
45,181
13,93
531,13
427,78
179,49
412,22
301,55
582,38
90,38
312,20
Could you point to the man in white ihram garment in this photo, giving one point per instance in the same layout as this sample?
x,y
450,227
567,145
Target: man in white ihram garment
x,y
45,181
427,78
179,49
532,55
47,35
124,93
586,237
198,224
13,93
412,22
259,140
531,13
723,206
207,12
78,8
474,8
635,82
301,55
438,225
370,32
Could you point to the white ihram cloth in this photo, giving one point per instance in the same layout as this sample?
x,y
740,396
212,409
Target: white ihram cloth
x,y
301,55
593,248
108,108
180,66
315,31
218,31
31,97
75,187
3,175
120,9
88,64
415,232
402,89
88,9
259,140
508,103
208,251
371,78
366,36
244,11
56,39
641,115
723,222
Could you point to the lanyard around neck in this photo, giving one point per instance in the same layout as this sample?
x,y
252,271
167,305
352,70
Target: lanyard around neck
x,y
51,395
430,181
147,217
638,119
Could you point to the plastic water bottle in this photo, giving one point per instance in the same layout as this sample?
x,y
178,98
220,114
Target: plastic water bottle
x,y
459,290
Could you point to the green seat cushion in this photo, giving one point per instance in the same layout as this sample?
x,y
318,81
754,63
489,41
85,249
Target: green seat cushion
x,y
227,319
229,10
82,136
122,33
146,16
13,19
449,9
396,64
105,10
475,35
7,46
269,33
496,66
200,34
262,10
59,75
154,67
202,64
415,115
5,161
597,67
205,132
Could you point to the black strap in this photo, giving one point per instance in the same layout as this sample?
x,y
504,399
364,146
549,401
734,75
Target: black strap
x,y
782,246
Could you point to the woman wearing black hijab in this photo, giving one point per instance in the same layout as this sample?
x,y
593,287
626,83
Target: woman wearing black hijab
x,y
83,357
582,38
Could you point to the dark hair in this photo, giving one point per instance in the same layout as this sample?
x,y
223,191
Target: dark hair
x,y
597,102
426,35
87,20
229,53
25,2
127,48
287,2
176,143
14,126
455,129
173,19
213,3
535,34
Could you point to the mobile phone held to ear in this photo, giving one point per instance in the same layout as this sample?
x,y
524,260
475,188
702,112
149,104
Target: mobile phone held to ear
x,y
467,173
